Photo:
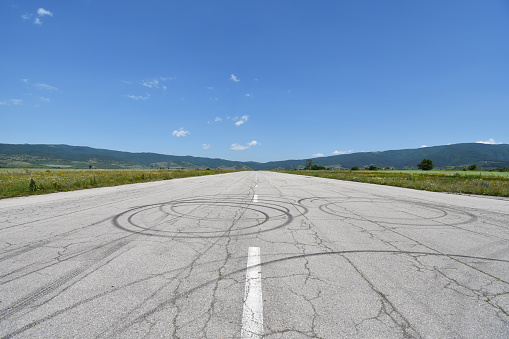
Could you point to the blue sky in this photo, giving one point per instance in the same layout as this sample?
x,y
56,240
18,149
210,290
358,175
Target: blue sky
x,y
254,80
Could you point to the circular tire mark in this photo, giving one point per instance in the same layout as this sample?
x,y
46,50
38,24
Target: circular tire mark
x,y
187,218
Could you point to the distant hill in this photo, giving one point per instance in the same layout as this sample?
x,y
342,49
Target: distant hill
x,y
65,156
447,156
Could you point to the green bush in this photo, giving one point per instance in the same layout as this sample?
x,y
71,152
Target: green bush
x,y
425,165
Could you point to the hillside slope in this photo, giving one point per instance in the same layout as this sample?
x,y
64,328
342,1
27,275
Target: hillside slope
x,y
447,156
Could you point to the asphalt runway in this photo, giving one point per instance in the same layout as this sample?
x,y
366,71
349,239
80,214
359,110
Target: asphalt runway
x,y
252,255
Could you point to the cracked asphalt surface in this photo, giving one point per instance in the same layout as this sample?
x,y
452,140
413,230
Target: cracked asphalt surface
x,y
339,260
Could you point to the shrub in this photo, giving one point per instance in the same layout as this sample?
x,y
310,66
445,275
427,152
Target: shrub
x,y
317,168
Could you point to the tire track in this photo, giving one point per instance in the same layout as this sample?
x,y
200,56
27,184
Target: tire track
x,y
91,260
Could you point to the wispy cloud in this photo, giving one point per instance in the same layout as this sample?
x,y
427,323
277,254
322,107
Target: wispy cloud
x,y
238,147
43,12
423,146
46,87
242,120
150,83
138,97
26,16
249,95
217,119
318,155
180,133
37,21
490,142
44,99
155,83
342,152
234,78
15,102
205,146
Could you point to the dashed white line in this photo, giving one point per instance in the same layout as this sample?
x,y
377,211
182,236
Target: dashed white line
x,y
255,198
252,316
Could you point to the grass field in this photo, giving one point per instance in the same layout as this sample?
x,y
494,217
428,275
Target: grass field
x,y
21,182
468,182
482,174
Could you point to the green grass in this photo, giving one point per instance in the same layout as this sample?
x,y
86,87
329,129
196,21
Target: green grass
x,y
482,174
22,182
468,182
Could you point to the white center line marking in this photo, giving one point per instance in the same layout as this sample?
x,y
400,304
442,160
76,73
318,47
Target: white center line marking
x,y
252,316
255,198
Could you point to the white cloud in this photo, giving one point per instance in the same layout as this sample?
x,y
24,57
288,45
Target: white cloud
x,y
37,21
489,142
205,146
150,83
217,119
164,88
43,12
43,99
249,95
242,120
46,87
180,133
342,152
14,102
138,97
234,78
238,147
24,80
26,16
253,143
423,146
318,155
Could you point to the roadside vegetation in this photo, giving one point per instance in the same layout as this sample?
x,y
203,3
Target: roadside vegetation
x,y
22,182
494,183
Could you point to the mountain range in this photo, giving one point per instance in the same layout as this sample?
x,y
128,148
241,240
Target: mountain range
x,y
65,156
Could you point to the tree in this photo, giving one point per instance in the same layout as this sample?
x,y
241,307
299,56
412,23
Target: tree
x,y
425,165
472,167
355,168
309,163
